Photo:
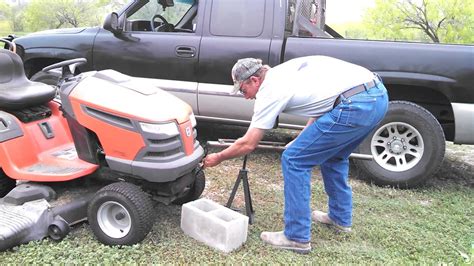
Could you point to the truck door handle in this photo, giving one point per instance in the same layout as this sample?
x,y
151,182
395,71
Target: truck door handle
x,y
185,51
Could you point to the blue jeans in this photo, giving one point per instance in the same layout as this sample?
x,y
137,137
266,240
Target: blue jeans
x,y
328,142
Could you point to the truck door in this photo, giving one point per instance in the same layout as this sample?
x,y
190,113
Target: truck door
x,y
236,29
160,41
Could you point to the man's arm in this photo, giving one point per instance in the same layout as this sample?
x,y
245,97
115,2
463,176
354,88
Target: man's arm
x,y
241,146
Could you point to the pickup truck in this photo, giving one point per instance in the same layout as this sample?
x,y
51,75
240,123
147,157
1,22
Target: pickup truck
x,y
188,47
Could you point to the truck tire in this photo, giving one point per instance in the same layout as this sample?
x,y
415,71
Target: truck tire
x,y
195,191
6,184
408,147
120,214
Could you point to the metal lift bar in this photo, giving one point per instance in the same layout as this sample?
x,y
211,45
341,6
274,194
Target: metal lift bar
x,y
277,146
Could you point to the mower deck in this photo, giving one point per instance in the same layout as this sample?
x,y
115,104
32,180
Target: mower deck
x,y
33,211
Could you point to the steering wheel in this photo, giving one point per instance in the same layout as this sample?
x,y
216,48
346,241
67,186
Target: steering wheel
x,y
166,26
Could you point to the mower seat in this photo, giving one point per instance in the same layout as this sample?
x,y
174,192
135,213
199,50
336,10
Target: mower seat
x,y
16,91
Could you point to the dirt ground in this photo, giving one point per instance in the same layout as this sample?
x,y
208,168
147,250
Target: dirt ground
x,y
458,165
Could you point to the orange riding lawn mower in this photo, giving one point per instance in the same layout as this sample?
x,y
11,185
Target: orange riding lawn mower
x,y
101,146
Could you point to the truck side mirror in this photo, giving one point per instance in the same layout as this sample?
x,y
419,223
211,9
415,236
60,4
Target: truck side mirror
x,y
111,23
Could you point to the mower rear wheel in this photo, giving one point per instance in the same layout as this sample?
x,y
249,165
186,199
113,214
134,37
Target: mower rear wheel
x,y
6,184
121,214
195,191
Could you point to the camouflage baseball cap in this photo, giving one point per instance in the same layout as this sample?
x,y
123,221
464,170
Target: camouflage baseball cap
x,y
244,69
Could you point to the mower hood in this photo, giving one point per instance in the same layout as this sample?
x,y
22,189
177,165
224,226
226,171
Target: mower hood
x,y
129,97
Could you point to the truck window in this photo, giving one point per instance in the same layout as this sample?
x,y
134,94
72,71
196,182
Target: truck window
x,y
229,19
180,16
306,18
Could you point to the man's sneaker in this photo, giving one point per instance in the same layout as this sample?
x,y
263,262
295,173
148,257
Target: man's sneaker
x,y
279,240
322,217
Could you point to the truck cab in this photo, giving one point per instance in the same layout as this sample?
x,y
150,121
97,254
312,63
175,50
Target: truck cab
x,y
188,48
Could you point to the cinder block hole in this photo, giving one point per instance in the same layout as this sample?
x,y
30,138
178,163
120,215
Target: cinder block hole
x,y
204,206
223,214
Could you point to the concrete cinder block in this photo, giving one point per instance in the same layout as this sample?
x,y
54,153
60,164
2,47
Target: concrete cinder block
x,y
214,225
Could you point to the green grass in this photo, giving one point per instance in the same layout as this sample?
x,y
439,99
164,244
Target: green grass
x,y
429,225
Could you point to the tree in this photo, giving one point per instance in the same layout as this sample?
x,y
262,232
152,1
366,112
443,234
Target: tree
x,y
448,21
54,14
111,5
4,25
12,16
16,17
3,10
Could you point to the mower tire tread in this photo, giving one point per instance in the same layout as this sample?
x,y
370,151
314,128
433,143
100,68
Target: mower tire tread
x,y
137,203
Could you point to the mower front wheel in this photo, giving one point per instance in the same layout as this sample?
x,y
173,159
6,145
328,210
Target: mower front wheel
x,y
121,214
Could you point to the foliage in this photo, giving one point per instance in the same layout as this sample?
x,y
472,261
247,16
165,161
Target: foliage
x,y
37,15
111,5
447,21
4,8
54,14
352,30
11,15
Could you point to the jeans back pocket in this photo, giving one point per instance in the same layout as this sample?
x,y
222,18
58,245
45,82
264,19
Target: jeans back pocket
x,y
362,110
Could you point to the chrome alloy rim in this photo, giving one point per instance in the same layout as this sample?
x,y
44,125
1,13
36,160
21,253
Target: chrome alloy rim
x,y
114,219
397,146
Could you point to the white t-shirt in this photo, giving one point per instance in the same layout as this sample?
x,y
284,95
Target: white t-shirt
x,y
306,86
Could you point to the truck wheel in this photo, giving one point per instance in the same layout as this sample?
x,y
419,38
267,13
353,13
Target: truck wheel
x,y
6,184
408,147
195,191
120,214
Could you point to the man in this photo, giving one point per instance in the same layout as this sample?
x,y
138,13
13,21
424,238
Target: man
x,y
344,103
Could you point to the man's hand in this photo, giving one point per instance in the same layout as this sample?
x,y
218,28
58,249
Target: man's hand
x,y
242,146
211,160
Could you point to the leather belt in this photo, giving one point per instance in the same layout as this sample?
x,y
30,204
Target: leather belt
x,y
353,91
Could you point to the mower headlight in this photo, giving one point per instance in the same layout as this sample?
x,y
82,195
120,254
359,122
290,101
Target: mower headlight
x,y
169,129
193,120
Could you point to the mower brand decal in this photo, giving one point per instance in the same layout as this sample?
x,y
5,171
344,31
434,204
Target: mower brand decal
x,y
188,131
